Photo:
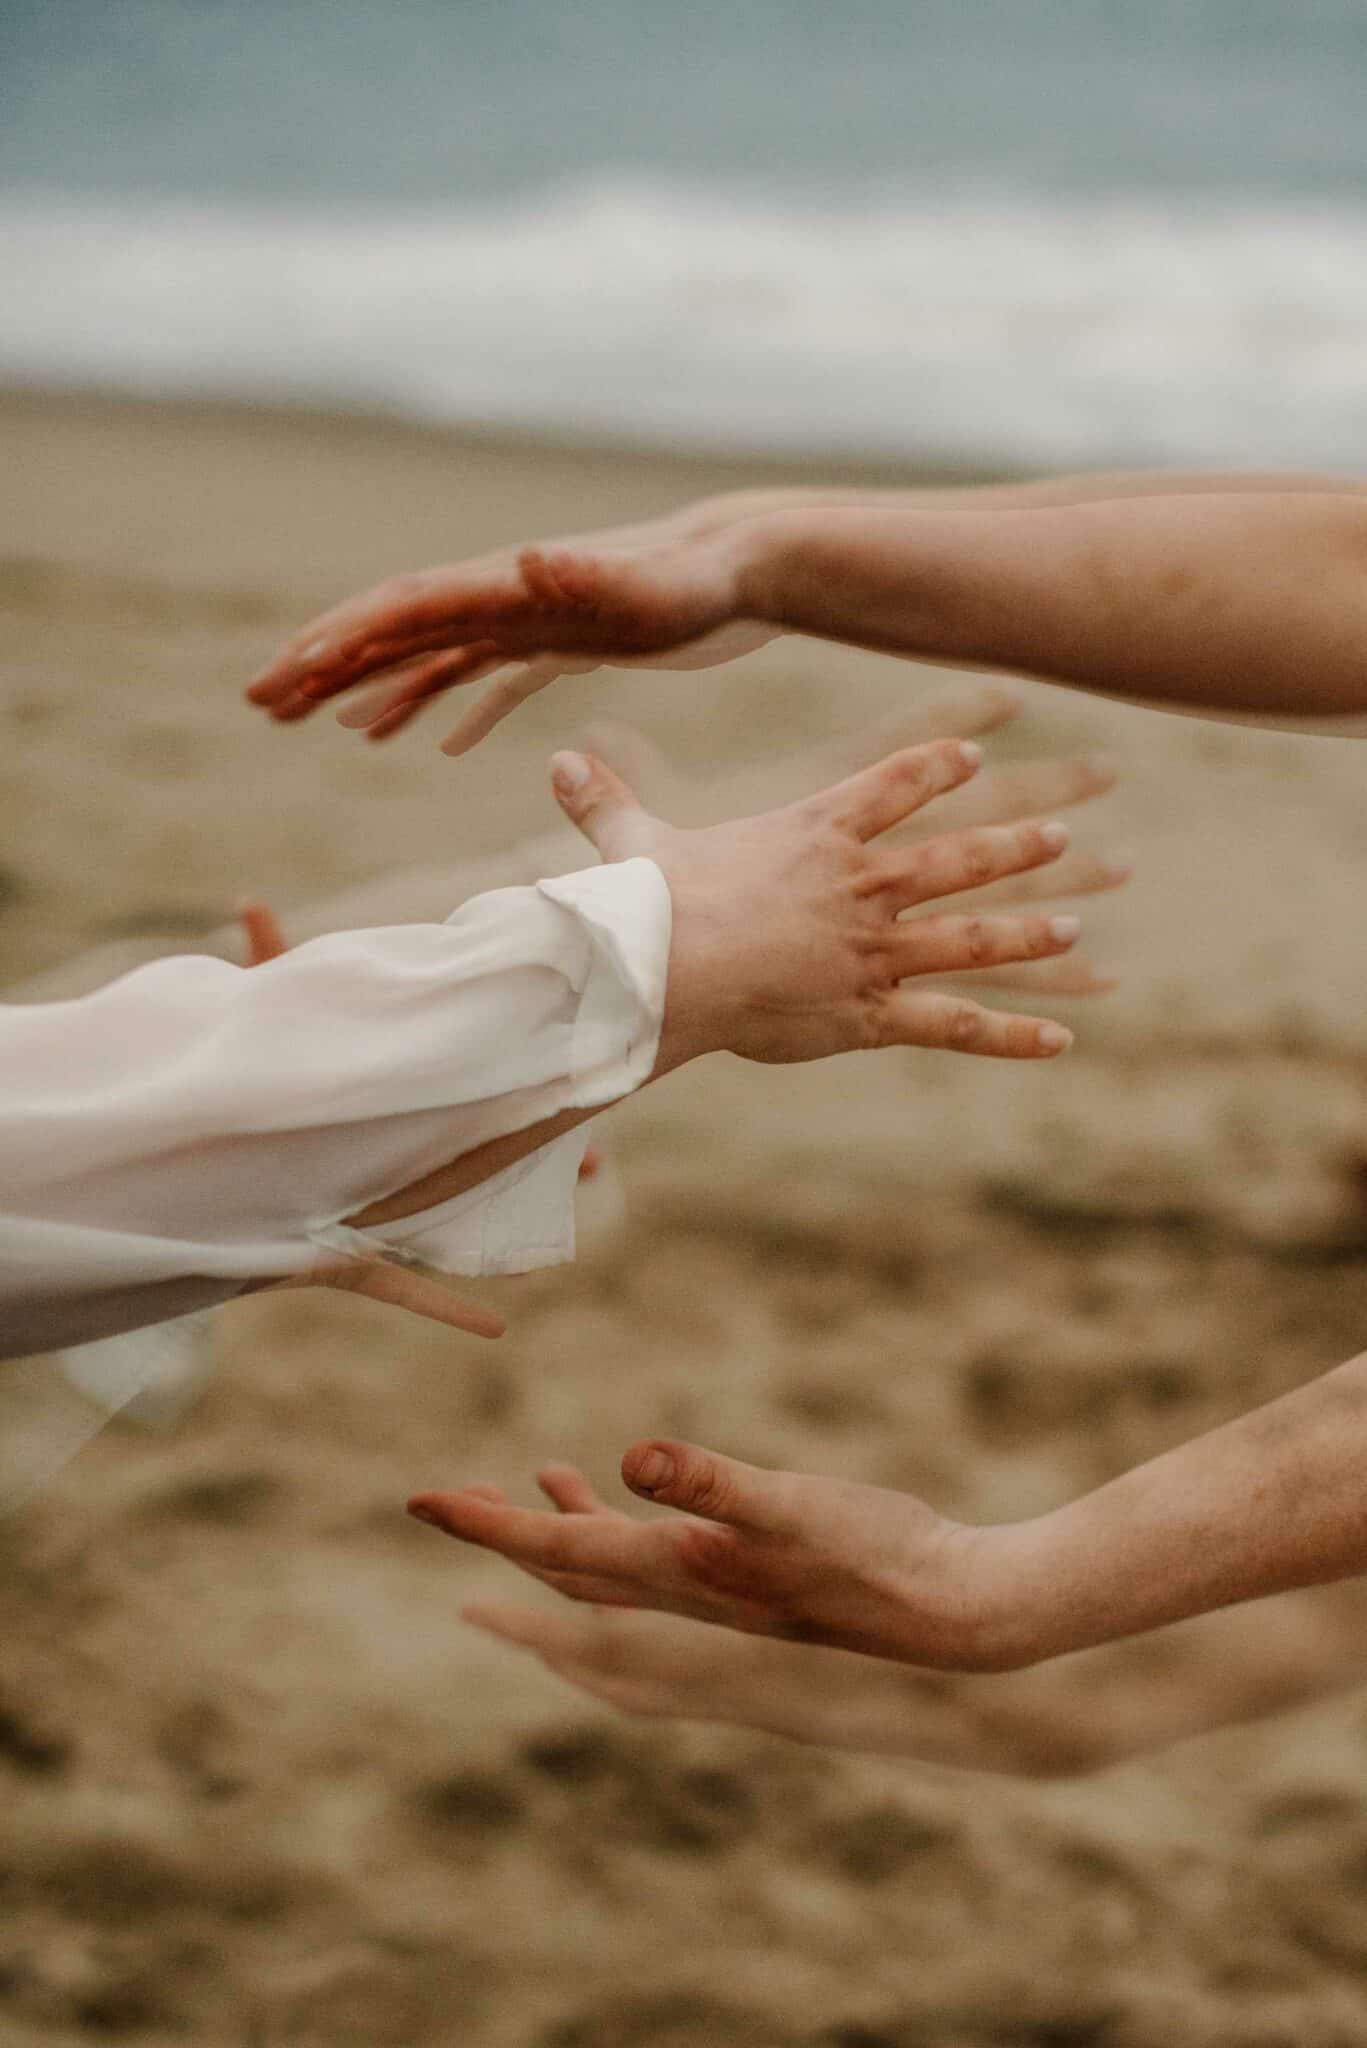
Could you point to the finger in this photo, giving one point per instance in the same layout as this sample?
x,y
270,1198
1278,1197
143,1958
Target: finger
x,y
406,689
400,1287
599,804
880,797
262,937
705,1483
967,860
1071,977
593,1545
1026,789
357,660
946,945
1076,873
626,751
483,1491
549,1631
406,615
567,1487
500,699
966,713
948,1023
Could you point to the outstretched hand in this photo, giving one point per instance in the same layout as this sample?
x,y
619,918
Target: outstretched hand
x,y
662,594
769,1553
790,934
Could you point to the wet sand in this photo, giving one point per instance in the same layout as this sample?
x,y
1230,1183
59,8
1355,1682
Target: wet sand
x,y
258,1784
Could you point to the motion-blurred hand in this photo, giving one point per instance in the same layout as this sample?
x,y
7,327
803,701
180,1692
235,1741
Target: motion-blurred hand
x,y
663,593
789,939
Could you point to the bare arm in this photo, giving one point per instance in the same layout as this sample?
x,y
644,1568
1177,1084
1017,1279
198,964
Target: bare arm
x,y
1246,604
1234,596
1266,1504
1080,1713
709,515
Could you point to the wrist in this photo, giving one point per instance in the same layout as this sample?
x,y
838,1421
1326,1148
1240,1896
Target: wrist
x,y
699,1015
998,1597
768,554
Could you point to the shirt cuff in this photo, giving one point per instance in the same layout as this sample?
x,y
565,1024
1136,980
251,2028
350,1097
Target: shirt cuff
x,y
523,1218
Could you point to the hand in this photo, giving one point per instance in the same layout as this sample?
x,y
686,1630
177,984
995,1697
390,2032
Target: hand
x,y
769,1553
661,1667
662,594
398,1286
789,941
999,795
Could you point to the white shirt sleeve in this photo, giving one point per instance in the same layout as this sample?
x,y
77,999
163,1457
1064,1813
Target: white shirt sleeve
x,y
195,1128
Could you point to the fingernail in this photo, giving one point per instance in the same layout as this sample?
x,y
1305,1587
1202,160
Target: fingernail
x,y
569,772
1053,1038
421,1514
1064,929
1054,835
653,1471
970,753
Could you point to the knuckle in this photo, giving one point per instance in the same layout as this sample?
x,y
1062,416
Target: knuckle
x,y
964,1027
873,1025
706,1557
977,860
978,946
709,1490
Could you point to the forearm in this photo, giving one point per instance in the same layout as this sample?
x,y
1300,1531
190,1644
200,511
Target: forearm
x,y
1243,604
729,508
1268,1503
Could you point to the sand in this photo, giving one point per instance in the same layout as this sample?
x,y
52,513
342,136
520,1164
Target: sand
x,y
258,1784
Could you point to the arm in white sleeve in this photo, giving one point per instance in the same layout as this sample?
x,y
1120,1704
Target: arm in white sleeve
x,y
196,1129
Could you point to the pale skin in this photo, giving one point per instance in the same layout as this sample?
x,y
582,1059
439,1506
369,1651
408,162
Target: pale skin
x,y
1074,1714
1239,597
858,923
1233,595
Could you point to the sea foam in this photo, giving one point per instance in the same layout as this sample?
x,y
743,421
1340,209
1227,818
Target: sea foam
x,y
968,328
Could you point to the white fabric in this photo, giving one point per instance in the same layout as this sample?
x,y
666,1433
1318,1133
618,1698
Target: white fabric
x,y
196,1129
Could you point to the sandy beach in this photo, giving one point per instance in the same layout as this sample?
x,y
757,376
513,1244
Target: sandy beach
x,y
258,1785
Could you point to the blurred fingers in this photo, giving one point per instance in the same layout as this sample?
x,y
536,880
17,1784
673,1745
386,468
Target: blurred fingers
x,y
1074,976
262,936
967,860
955,1024
1028,789
400,1287
968,712
878,798
1075,873
548,1631
947,945
400,695
503,697
585,1545
570,1491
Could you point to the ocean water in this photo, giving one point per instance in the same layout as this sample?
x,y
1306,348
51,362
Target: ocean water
x,y
1022,231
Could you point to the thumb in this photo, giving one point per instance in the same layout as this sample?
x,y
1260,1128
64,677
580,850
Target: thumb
x,y
600,804
704,1483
